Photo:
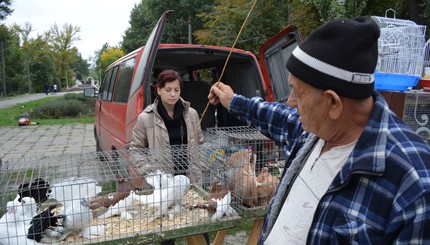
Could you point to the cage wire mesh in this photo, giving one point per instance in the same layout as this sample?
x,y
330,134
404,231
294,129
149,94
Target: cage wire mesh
x,y
51,199
249,163
426,62
400,46
416,114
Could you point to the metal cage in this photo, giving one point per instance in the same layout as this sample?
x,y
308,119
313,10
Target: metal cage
x,y
252,165
51,199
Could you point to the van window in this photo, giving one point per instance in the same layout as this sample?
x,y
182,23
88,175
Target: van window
x,y
112,83
107,84
104,87
124,79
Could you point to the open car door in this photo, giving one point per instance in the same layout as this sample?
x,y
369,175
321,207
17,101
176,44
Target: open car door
x,y
273,57
138,98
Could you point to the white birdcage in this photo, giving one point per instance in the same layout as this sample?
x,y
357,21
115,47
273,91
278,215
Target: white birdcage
x,y
400,46
60,191
400,49
252,161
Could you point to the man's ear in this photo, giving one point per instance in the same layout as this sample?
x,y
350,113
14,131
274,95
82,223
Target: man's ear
x,y
335,104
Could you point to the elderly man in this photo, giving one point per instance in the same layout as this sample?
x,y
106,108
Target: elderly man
x,y
355,172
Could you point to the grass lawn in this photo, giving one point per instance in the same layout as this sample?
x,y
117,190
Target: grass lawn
x,y
11,115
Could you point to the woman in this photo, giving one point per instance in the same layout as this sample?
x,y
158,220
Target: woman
x,y
169,121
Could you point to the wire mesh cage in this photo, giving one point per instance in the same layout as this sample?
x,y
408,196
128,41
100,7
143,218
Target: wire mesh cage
x,y
416,114
400,46
72,199
251,165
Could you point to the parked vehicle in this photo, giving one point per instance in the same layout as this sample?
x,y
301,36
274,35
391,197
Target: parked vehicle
x,y
126,87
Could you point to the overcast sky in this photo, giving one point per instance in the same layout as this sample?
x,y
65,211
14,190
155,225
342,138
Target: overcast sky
x,y
101,21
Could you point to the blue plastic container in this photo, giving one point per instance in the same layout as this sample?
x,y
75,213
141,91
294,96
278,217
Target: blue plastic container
x,y
394,82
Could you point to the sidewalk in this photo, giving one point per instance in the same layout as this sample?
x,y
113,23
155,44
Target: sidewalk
x,y
35,141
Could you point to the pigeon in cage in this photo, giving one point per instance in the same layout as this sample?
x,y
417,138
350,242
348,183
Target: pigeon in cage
x,y
39,189
74,188
168,191
43,221
74,216
219,202
74,196
15,223
266,186
240,175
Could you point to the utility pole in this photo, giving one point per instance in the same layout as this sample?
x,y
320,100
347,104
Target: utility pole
x,y
2,68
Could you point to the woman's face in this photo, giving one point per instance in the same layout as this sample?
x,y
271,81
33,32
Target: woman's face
x,y
170,93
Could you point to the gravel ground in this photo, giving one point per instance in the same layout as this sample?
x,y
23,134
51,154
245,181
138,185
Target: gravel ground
x,y
239,238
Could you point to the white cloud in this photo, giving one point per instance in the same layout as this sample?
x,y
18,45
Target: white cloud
x,y
101,21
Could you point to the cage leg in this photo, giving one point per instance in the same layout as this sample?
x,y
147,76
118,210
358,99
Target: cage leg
x,y
219,238
196,240
255,231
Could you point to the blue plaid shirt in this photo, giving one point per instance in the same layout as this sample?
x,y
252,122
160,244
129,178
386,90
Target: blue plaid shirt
x,y
380,196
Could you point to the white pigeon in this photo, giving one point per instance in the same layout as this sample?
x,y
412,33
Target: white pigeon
x,y
74,188
219,202
15,223
74,194
168,190
158,180
77,214
223,207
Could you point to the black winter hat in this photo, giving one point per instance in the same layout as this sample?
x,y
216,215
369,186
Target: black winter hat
x,y
340,55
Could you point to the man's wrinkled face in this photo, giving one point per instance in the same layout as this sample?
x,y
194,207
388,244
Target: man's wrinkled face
x,y
310,104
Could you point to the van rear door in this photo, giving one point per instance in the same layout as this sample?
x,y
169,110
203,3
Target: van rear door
x,y
140,92
273,57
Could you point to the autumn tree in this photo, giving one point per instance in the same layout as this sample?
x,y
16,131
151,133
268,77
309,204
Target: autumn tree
x,y
109,56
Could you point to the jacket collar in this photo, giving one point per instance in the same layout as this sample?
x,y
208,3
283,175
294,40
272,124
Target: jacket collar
x,y
369,154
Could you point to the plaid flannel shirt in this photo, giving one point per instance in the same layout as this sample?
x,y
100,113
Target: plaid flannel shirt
x,y
380,196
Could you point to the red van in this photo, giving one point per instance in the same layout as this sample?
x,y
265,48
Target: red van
x,y
126,87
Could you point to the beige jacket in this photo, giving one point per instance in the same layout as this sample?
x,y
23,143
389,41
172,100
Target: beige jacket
x,y
150,130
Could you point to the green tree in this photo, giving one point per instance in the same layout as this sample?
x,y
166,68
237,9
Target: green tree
x,y
182,22
80,67
222,24
5,9
13,63
61,42
42,66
